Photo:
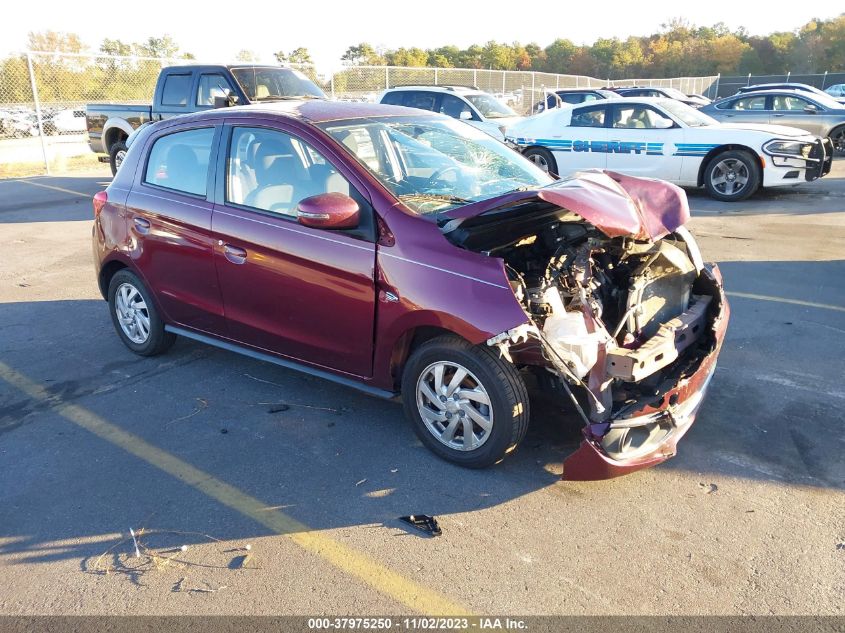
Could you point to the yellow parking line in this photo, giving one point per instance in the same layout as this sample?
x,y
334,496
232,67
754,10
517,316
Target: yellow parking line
x,y
797,302
62,189
354,563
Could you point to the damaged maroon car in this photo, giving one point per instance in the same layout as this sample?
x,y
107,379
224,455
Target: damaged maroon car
x,y
407,253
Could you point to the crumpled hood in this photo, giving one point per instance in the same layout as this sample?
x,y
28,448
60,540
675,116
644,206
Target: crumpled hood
x,y
617,205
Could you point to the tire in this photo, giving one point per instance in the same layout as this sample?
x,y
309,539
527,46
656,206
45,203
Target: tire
x,y
116,155
542,158
837,137
488,377
126,284
726,169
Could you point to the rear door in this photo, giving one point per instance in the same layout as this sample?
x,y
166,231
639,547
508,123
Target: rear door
x,y
169,218
746,109
305,293
639,146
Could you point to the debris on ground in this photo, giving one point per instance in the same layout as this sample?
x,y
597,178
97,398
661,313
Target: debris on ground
x,y
360,482
708,488
201,405
135,557
423,523
278,407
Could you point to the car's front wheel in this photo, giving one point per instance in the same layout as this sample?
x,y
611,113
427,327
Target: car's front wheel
x,y
837,137
135,317
732,176
467,405
542,158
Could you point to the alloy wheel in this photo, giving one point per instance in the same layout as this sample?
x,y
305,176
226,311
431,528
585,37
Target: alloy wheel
x,y
454,406
729,176
132,313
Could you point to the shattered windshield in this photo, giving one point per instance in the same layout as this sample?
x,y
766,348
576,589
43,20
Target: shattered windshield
x,y
268,84
434,164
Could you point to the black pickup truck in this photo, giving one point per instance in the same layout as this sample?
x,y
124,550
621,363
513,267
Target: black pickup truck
x,y
184,89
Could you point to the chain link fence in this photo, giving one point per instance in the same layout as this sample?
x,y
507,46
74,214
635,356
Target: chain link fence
x,y
43,96
521,90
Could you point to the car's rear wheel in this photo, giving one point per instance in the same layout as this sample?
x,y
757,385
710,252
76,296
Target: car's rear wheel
x,y
135,317
837,137
731,176
116,155
467,405
542,158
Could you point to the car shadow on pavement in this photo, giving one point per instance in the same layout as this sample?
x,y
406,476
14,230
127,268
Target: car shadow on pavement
x,y
49,199
330,457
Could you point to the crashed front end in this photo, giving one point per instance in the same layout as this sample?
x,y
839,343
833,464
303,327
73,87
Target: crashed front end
x,y
621,311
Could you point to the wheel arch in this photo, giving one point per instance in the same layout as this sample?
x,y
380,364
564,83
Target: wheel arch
x,y
727,148
407,342
115,130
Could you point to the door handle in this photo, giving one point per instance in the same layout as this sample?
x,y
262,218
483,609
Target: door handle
x,y
777,115
142,225
234,254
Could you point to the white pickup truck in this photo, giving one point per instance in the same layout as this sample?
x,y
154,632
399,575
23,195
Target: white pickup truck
x,y
666,139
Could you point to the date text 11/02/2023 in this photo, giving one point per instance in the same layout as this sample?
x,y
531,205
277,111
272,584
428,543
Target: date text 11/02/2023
x,y
417,623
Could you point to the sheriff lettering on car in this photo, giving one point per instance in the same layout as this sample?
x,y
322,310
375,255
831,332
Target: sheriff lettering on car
x,y
666,139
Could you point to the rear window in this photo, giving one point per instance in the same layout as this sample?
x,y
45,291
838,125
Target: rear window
x,y
421,100
392,98
179,161
175,90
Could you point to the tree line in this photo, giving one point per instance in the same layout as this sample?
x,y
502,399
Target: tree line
x,y
677,49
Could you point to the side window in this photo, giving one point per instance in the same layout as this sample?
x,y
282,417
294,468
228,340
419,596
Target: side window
x,y
456,108
787,102
272,171
748,103
639,118
175,90
590,97
421,100
588,117
211,86
179,161
392,98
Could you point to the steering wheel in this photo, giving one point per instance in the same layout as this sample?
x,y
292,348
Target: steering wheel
x,y
438,175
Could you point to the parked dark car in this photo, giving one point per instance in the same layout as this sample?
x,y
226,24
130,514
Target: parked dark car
x,y
402,252
194,88
817,114
695,101
573,96
791,86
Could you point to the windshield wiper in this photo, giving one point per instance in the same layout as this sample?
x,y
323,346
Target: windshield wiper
x,y
436,196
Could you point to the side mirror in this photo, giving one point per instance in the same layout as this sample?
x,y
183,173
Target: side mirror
x,y
229,100
811,109
328,211
465,115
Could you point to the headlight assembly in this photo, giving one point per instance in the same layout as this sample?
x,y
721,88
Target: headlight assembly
x,y
788,148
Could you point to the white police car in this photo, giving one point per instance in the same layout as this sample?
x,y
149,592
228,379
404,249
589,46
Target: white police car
x,y
666,139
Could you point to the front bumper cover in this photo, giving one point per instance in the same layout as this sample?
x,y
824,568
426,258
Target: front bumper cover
x,y
676,411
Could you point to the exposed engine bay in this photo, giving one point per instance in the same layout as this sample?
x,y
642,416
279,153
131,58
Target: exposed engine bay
x,y
614,315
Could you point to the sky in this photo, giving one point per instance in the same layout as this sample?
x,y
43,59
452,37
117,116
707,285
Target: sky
x,y
220,29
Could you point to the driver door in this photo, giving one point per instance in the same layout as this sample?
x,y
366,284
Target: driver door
x,y
642,141
301,292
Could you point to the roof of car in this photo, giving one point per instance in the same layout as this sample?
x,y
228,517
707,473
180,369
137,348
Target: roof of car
x,y
439,88
310,110
770,91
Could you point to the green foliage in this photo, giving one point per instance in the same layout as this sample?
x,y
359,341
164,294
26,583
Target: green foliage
x,y
677,49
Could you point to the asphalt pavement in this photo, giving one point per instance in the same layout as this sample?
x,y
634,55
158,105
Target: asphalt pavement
x,y
215,452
